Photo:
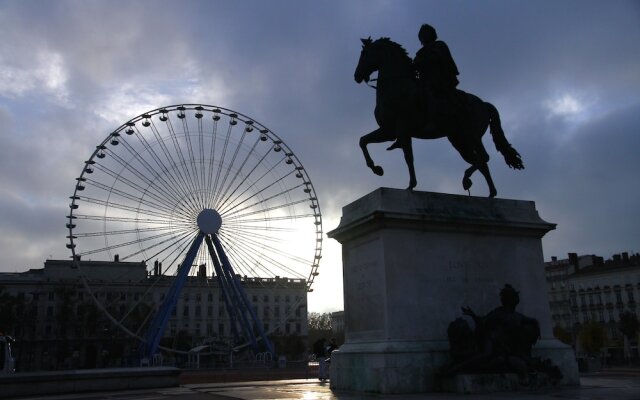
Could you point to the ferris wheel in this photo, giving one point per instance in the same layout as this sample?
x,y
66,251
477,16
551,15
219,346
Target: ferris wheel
x,y
195,189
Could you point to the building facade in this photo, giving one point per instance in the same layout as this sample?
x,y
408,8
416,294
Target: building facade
x,y
586,289
60,320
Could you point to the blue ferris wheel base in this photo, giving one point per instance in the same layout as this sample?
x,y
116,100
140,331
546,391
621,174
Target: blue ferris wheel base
x,y
240,310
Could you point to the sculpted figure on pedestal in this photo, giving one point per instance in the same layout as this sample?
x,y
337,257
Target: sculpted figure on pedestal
x,y
428,107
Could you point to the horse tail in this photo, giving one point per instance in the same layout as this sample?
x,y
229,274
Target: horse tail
x,y
511,156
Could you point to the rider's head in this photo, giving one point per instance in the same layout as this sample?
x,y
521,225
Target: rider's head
x,y
509,297
427,34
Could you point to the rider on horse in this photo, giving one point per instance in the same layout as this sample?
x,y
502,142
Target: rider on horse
x,y
437,77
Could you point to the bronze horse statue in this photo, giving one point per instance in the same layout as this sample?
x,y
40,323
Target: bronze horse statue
x,y
399,115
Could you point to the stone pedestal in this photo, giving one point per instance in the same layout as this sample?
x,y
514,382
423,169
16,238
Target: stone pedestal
x,y
411,260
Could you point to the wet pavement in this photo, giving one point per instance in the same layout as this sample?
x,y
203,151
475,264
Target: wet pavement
x,y
625,386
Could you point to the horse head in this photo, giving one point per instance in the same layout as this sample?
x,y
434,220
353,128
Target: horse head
x,y
379,55
366,64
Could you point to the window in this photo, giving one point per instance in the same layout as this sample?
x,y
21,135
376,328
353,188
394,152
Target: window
x,y
630,296
198,312
210,297
209,311
185,311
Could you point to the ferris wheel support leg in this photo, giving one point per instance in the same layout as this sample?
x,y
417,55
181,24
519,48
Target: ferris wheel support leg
x,y
237,294
224,288
159,323
243,295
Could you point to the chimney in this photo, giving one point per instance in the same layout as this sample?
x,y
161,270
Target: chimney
x,y
554,258
573,259
116,258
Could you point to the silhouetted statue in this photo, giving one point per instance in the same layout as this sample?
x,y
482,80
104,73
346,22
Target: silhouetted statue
x,y
437,77
501,342
400,114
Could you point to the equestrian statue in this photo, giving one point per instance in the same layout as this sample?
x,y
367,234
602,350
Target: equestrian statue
x,y
419,99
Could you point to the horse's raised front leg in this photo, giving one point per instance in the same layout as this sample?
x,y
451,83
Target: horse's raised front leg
x,y
376,136
484,169
407,148
466,179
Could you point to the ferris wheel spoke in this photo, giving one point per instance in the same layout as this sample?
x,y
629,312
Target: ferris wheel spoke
x,y
180,254
277,207
192,163
129,220
222,158
178,246
258,248
261,255
230,166
223,197
177,185
266,243
247,258
124,231
253,185
182,179
126,195
212,151
133,185
201,153
259,162
180,167
139,174
251,228
124,244
142,250
123,207
254,195
230,212
158,183
241,222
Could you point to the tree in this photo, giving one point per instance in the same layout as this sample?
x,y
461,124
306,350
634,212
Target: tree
x,y
319,327
562,334
629,324
320,322
592,337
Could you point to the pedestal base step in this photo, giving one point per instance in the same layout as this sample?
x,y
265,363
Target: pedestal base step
x,y
489,383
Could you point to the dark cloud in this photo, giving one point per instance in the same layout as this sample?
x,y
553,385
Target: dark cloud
x,y
562,74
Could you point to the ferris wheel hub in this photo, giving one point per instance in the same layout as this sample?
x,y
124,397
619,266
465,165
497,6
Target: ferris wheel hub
x,y
209,221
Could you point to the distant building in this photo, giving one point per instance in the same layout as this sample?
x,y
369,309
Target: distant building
x,y
337,323
588,288
57,324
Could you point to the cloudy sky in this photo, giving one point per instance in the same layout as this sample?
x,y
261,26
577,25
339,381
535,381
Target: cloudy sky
x,y
565,76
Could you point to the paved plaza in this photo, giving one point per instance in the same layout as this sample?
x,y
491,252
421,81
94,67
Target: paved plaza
x,y
624,385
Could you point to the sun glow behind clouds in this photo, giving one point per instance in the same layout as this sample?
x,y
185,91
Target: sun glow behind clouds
x,y
568,106
48,75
